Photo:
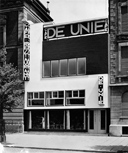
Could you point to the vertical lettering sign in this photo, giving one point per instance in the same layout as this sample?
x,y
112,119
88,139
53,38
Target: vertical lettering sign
x,y
101,90
26,53
75,29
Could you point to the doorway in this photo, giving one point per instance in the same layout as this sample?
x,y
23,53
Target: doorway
x,y
97,121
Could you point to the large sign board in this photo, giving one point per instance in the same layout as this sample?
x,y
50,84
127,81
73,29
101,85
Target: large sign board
x,y
75,29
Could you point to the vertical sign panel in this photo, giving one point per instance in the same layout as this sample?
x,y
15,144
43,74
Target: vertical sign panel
x,y
26,53
101,90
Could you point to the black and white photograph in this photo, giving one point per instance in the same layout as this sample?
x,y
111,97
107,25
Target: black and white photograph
x,y
63,76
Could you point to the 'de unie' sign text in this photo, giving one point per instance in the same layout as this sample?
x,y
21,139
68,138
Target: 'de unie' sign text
x,y
75,29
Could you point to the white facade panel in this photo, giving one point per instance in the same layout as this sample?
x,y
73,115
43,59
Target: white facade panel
x,y
87,82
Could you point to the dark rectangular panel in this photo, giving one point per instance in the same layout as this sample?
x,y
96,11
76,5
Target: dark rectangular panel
x,y
12,28
94,48
12,56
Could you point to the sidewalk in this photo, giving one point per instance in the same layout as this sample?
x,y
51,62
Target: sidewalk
x,y
67,141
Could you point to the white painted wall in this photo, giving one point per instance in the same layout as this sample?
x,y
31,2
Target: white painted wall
x,y
37,83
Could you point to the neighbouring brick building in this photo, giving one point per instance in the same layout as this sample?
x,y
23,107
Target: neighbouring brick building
x,y
12,12
118,15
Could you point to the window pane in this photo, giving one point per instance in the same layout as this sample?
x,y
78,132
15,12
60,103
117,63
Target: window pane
x,y
81,93
72,66
124,60
29,102
37,102
102,119
30,95
48,95
91,119
47,69
76,101
41,95
55,68
75,93
68,93
81,65
1,36
54,102
54,94
63,67
124,17
61,94
36,95
124,52
125,97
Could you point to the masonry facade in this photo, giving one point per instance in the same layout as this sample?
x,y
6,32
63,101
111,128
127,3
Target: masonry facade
x,y
12,12
118,15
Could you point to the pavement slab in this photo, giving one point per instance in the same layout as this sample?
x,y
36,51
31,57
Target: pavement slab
x,y
68,141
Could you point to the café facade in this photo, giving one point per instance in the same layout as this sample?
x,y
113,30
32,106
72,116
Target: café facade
x,y
66,77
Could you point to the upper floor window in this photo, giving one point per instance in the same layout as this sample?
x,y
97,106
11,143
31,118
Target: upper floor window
x,y
124,17
54,68
125,104
2,36
123,58
64,67
75,97
35,98
54,98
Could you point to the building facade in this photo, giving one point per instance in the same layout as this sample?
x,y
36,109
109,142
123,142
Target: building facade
x,y
66,87
118,16
12,14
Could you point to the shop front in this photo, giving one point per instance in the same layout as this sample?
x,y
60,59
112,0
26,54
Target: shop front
x,y
93,121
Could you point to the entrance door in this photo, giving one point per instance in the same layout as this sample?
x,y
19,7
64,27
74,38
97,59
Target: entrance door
x,y
97,121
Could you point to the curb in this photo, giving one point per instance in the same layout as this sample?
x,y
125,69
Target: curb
x,y
59,149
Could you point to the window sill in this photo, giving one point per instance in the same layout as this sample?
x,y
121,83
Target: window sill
x,y
124,117
122,76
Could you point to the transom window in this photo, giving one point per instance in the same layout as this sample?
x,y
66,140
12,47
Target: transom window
x,y
35,98
64,67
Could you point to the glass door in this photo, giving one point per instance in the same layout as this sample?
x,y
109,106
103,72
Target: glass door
x,y
97,122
